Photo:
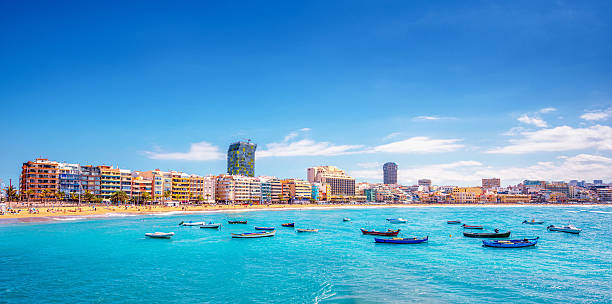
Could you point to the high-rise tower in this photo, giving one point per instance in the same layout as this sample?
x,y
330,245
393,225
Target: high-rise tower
x,y
241,158
390,173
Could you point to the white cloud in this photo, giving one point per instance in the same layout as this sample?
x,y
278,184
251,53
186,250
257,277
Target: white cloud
x,y
563,138
597,115
391,135
538,122
305,129
470,172
201,151
547,110
427,118
369,165
307,147
419,144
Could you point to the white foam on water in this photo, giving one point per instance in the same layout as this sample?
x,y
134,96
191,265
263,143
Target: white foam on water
x,y
68,218
606,212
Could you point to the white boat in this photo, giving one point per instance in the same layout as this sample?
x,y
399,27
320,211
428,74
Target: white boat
x,y
398,220
346,219
190,223
307,230
567,229
210,225
250,235
160,235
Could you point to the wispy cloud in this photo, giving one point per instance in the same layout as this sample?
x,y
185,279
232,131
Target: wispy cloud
x,y
563,138
597,115
427,118
547,110
536,121
201,151
392,135
419,144
306,147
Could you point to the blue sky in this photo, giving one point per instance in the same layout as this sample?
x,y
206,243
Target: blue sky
x,y
452,91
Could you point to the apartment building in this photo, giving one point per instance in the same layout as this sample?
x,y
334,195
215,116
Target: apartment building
x,y
39,177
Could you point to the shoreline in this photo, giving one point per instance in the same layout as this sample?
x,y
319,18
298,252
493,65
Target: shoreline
x,y
93,212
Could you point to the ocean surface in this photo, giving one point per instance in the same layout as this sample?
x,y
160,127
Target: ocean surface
x,y
110,260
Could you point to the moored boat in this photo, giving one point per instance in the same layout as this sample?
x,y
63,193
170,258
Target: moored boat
x,y
236,222
306,230
510,243
495,234
398,220
210,225
471,227
533,222
288,225
453,222
389,232
264,228
190,223
160,235
412,240
567,229
346,219
252,235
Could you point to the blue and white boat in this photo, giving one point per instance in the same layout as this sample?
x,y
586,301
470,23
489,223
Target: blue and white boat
x,y
510,243
252,235
160,235
412,240
398,220
567,229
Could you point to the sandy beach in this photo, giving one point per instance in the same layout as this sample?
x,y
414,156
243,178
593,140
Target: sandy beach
x,y
37,214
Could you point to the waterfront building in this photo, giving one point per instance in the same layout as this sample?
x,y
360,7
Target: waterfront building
x,y
266,191
390,173
424,182
210,185
39,178
513,198
238,189
598,182
315,193
341,184
140,186
180,186
604,194
296,190
241,158
69,179
558,187
110,181
466,194
126,182
90,179
160,183
491,183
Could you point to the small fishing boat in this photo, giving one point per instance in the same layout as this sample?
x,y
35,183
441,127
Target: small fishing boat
x,y
453,222
210,225
236,222
566,229
495,234
470,227
398,220
533,222
307,230
264,228
160,235
389,232
412,240
252,235
190,223
510,243
288,225
346,219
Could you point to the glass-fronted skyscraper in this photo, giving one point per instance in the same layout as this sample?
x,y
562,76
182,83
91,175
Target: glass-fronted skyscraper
x,y
390,173
241,158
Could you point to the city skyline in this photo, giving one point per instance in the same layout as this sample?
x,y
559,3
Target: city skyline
x,y
411,83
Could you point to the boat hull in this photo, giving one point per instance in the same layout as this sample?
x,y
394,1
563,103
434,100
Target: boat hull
x,y
563,229
265,228
533,223
191,224
510,243
380,233
236,222
453,222
211,226
402,240
253,235
288,225
471,227
159,235
307,230
487,235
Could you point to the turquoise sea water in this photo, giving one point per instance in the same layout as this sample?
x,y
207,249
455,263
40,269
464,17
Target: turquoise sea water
x,y
110,260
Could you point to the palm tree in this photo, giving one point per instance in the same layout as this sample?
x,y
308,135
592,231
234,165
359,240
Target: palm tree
x,y
145,196
199,199
89,197
74,196
119,197
11,193
207,197
28,193
167,194
45,194
59,196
